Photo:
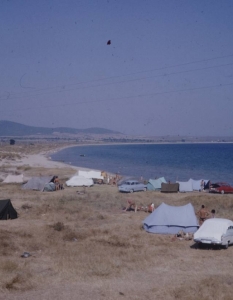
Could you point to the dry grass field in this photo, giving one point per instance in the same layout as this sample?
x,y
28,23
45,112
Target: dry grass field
x,y
83,246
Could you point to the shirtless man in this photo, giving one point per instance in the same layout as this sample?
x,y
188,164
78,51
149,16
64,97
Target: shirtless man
x,y
130,206
202,214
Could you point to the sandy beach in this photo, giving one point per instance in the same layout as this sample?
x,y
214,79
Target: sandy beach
x,y
83,246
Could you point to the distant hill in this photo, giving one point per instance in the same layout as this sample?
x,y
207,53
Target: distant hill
x,y
8,128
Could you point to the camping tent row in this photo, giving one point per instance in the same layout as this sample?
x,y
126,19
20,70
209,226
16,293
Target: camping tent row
x,y
161,184
155,184
167,219
190,185
187,186
43,183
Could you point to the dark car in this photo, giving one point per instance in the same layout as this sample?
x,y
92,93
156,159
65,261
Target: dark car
x,y
221,187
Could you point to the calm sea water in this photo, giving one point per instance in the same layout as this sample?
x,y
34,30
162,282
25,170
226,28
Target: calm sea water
x,y
173,161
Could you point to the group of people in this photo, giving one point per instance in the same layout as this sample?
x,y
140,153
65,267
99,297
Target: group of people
x,y
204,214
58,185
132,206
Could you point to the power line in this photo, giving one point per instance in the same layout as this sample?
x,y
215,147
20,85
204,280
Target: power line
x,y
138,72
119,82
128,97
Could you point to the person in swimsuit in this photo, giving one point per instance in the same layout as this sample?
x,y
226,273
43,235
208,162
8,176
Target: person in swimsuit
x,y
202,214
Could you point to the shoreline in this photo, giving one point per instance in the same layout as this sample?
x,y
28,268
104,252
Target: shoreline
x,y
20,159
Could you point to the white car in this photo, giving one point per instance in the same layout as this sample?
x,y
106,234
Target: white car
x,y
131,186
215,231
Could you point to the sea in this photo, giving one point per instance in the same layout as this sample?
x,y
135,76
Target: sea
x,y
175,162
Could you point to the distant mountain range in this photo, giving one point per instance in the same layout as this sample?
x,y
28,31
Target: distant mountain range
x,y
8,128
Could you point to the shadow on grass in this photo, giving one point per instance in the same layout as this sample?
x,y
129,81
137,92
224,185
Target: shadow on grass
x,y
202,246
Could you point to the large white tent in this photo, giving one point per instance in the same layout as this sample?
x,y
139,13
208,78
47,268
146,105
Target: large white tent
x,y
77,180
90,174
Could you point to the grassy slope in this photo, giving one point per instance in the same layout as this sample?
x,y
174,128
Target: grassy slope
x,y
85,247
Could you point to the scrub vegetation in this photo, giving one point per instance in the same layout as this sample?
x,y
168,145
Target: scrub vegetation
x,y
83,246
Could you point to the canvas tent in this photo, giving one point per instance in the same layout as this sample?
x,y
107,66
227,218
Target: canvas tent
x,y
49,187
90,174
185,186
169,187
191,185
155,184
196,184
14,179
79,181
168,219
7,210
37,183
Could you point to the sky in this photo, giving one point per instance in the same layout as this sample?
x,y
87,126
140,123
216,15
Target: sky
x,y
167,71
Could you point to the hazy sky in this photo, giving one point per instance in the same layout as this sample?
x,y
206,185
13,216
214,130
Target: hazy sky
x,y
168,70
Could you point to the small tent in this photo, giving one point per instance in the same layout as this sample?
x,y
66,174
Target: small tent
x,y
167,219
7,210
79,181
14,179
155,184
169,187
185,186
37,183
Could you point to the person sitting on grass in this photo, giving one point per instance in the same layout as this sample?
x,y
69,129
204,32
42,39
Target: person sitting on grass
x,y
130,206
58,185
150,208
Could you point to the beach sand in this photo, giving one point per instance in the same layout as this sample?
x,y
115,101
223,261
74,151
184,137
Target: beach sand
x,y
83,246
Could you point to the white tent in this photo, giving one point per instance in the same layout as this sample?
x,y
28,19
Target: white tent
x,y
90,174
185,186
196,184
168,219
14,179
77,180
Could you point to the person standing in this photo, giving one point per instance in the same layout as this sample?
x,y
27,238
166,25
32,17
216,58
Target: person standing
x,y
202,214
202,185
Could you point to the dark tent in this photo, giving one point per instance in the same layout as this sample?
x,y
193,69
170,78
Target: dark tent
x,y
169,187
207,185
7,210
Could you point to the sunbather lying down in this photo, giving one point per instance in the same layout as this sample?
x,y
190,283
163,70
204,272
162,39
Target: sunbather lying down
x,y
132,206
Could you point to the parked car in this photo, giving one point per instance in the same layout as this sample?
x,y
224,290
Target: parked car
x,y
215,231
131,186
221,187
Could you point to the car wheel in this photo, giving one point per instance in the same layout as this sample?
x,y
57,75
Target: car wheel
x,y
131,191
145,189
226,246
222,192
